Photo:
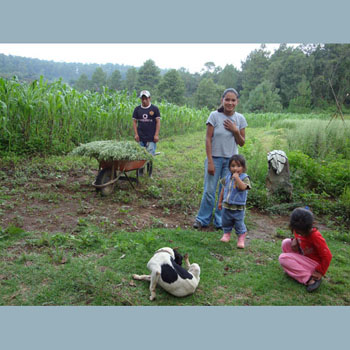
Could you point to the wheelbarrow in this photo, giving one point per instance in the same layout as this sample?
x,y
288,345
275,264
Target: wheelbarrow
x,y
112,171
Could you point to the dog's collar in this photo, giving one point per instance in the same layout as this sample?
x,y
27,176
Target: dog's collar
x,y
163,251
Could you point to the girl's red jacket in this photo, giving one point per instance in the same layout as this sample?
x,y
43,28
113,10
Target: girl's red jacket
x,y
315,247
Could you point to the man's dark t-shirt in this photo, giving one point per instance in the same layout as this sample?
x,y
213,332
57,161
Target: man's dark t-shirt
x,y
146,122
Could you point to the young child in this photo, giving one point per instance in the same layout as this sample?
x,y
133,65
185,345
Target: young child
x,y
233,198
306,257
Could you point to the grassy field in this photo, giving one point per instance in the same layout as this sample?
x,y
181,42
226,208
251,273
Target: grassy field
x,y
62,270
63,244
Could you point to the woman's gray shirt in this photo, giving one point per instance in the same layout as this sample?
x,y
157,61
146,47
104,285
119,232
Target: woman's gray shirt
x,y
223,141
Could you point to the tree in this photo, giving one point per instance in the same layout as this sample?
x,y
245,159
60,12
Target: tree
x,y
331,80
115,80
171,87
131,79
302,102
83,83
191,81
98,79
211,71
229,77
148,76
253,70
210,66
288,67
208,94
264,98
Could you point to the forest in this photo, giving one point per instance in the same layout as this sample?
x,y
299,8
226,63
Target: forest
x,y
313,77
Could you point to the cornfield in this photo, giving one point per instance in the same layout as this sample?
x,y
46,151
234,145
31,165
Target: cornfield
x,y
53,118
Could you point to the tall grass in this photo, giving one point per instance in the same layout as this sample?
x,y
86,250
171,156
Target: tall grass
x,y
319,139
54,118
263,120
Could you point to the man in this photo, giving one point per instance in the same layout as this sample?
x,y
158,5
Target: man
x,y
146,124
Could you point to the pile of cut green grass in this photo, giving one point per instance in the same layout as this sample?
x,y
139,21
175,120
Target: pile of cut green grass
x,y
112,150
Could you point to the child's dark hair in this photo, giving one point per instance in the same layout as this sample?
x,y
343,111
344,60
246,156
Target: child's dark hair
x,y
221,108
301,220
238,158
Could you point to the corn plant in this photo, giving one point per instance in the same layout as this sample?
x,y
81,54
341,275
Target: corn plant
x,y
54,118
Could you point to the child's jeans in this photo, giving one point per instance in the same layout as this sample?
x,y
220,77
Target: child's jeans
x,y
297,266
233,218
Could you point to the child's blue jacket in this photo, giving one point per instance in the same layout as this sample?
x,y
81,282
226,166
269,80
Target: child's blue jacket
x,y
232,194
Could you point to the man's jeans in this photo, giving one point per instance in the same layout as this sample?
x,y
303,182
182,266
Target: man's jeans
x,y
210,184
150,147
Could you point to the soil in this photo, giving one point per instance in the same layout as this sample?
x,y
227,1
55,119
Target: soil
x,y
48,205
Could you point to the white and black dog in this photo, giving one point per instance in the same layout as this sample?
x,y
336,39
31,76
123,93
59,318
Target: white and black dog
x,y
166,270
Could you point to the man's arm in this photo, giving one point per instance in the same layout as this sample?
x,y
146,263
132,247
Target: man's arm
x,y
134,125
156,134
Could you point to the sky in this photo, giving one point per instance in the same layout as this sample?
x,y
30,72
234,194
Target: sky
x,y
166,56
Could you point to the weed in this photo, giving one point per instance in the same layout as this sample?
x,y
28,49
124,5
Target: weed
x,y
155,222
11,232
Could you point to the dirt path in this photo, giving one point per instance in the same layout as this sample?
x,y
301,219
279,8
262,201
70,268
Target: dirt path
x,y
48,205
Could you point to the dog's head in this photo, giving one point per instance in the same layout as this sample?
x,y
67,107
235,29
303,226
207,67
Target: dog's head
x,y
178,257
174,254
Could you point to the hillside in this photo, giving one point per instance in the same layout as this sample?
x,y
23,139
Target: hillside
x,y
31,68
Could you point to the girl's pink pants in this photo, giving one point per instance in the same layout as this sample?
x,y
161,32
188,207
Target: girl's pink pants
x,y
297,266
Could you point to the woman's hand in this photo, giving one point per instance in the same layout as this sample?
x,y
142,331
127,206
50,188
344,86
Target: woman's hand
x,y
211,168
231,126
220,205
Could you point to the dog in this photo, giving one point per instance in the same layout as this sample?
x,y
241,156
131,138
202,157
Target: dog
x,y
166,270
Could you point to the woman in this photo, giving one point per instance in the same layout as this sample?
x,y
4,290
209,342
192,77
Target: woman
x,y
225,131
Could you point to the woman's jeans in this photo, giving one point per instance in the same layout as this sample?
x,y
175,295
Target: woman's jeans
x,y
210,184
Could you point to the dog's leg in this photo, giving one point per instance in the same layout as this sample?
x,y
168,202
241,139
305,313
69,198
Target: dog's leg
x,y
187,262
142,277
155,275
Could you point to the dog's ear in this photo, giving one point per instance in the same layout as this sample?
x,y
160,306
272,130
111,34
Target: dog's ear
x,y
178,257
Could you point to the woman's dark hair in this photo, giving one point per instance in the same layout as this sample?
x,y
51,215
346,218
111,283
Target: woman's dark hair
x,y
238,158
221,108
301,220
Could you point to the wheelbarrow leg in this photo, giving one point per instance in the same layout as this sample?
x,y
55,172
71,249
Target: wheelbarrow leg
x,y
127,177
149,168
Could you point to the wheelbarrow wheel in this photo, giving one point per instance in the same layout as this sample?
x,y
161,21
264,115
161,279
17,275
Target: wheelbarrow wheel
x,y
104,176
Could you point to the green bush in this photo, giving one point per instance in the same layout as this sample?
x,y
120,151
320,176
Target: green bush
x,y
318,175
